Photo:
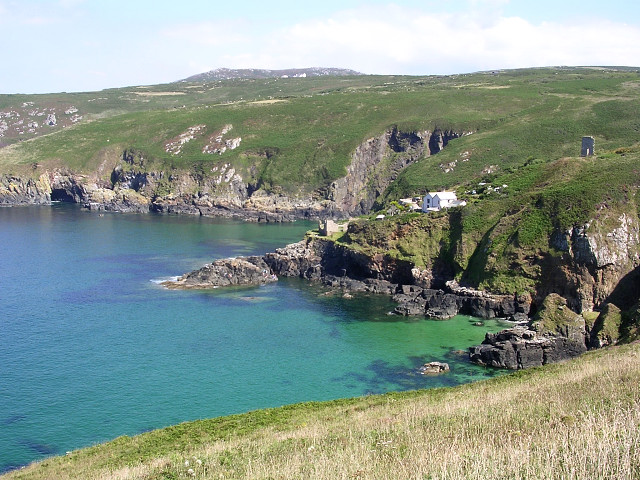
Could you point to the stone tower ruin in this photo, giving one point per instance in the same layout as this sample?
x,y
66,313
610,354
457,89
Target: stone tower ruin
x,y
588,144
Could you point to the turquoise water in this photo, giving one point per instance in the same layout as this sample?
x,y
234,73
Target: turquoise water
x,y
91,347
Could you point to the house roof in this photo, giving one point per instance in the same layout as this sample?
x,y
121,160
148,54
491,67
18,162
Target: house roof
x,y
443,195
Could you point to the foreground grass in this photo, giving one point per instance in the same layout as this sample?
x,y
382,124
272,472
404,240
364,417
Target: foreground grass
x,y
576,420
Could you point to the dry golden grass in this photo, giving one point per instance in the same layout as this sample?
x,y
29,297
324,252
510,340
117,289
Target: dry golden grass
x,y
579,420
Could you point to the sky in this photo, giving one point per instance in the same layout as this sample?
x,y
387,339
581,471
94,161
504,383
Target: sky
x,y
87,45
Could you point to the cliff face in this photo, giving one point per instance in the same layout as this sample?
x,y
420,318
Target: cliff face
x,y
377,162
134,186
596,257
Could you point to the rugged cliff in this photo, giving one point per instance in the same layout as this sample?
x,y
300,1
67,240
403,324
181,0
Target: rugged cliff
x,y
377,162
595,258
134,185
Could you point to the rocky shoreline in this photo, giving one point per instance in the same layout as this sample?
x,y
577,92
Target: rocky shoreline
x,y
554,334
65,187
593,266
130,182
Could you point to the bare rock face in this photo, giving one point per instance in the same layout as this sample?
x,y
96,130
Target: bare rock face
x,y
226,272
17,191
301,259
598,256
378,161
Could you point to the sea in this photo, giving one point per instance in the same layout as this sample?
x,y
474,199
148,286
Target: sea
x,y
92,347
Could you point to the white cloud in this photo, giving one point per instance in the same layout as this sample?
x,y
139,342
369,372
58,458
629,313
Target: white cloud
x,y
399,40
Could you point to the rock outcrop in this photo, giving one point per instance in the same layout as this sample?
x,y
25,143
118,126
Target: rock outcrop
x,y
443,304
378,161
597,256
16,191
226,272
555,334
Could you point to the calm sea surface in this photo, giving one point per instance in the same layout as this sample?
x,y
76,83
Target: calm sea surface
x,y
91,347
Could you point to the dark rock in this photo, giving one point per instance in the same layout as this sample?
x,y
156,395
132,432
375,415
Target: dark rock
x,y
230,271
513,348
440,304
556,334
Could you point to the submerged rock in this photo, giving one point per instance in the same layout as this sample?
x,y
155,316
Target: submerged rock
x,y
434,368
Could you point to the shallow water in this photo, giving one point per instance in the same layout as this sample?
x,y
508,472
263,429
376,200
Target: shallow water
x,y
91,347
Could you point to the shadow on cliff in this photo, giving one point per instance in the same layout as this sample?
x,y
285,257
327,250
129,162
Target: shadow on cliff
x,y
627,293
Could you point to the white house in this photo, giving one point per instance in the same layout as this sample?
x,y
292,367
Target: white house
x,y
434,201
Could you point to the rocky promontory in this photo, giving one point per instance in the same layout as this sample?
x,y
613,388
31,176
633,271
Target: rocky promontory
x,y
337,266
225,272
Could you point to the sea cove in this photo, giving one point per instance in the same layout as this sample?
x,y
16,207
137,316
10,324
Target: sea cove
x,y
91,347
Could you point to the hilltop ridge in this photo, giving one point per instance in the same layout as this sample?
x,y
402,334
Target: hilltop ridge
x,y
258,73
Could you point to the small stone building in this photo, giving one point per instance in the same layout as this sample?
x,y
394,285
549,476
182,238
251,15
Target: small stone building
x,y
588,146
329,227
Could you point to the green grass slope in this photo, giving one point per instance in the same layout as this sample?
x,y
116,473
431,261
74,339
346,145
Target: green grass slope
x,y
580,419
501,241
299,134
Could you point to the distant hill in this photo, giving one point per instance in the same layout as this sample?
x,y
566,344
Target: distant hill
x,y
228,73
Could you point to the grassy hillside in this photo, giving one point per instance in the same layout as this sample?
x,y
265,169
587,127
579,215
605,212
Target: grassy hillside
x,y
576,420
499,239
298,134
